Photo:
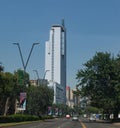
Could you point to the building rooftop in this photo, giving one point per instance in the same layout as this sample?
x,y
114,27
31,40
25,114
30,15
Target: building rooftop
x,y
57,25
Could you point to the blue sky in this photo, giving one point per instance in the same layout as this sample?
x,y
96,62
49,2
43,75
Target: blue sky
x,y
92,26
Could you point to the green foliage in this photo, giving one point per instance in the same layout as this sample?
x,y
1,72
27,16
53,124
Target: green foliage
x,y
10,91
99,81
22,118
1,68
7,88
63,107
91,109
18,118
38,99
6,85
47,117
77,110
22,78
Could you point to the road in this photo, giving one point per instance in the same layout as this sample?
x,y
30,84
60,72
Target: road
x,y
97,124
53,123
66,123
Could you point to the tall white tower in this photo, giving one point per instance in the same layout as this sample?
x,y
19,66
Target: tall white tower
x,y
55,61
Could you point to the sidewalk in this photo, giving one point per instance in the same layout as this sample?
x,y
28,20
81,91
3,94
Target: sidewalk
x,y
117,124
104,121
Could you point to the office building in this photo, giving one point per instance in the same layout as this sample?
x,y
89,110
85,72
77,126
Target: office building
x,y
55,62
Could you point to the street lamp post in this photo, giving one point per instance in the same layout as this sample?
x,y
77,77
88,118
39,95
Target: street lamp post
x,y
25,64
44,76
37,75
18,45
30,53
24,67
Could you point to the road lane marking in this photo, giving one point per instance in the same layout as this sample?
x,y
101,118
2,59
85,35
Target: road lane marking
x,y
83,126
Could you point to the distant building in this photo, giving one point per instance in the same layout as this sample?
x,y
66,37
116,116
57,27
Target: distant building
x,y
76,98
70,97
58,92
39,82
55,62
67,95
33,82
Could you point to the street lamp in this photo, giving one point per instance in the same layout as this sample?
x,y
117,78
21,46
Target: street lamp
x,y
23,63
30,53
37,75
45,74
18,45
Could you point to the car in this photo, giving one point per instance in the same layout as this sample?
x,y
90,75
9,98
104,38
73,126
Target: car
x,y
68,116
92,118
75,118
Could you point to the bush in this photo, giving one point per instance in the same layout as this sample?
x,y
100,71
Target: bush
x,y
47,117
18,118
115,120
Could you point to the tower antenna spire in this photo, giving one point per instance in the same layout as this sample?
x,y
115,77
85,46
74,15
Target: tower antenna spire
x,y
63,24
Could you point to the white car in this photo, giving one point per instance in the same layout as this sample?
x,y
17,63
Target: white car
x,y
75,118
92,118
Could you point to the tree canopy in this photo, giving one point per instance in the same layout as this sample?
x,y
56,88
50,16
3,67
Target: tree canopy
x,y
100,81
38,99
11,85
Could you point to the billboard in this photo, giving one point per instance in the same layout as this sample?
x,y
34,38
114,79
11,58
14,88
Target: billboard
x,y
49,110
23,100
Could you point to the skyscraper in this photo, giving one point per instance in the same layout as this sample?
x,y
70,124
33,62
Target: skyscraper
x,y
55,62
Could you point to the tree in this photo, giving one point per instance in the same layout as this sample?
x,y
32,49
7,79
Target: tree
x,y
116,83
38,99
7,85
1,68
22,79
93,110
62,109
99,80
10,89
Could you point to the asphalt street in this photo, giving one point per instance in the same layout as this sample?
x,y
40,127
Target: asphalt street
x,y
66,123
54,123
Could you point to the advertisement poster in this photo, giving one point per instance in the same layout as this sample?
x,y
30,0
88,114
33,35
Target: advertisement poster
x,y
49,110
60,112
23,100
56,111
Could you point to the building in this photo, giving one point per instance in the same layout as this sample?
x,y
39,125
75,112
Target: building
x,y
76,98
38,82
68,95
34,82
72,99
55,62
